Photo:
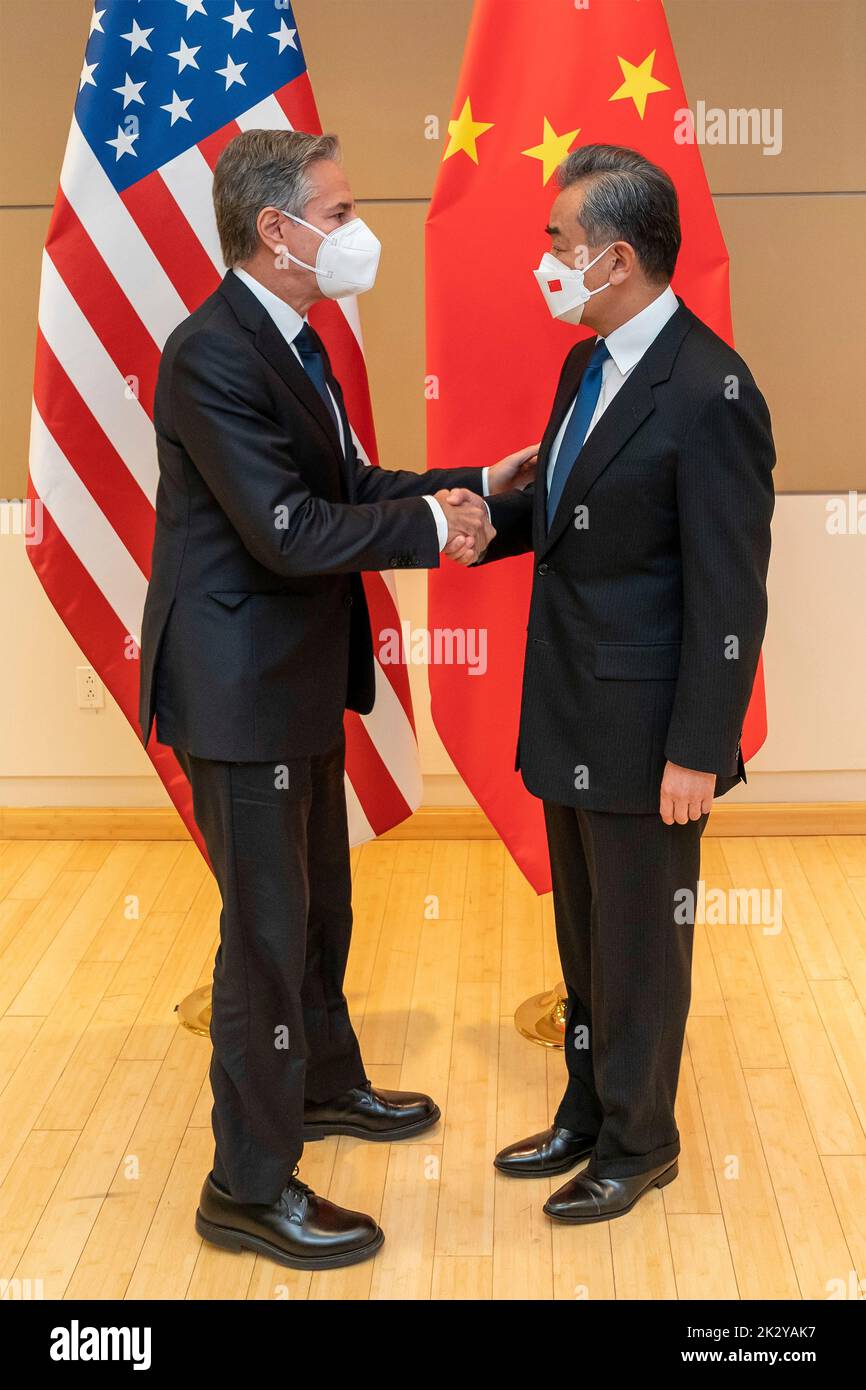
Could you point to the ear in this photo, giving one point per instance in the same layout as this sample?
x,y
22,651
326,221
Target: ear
x,y
624,263
269,225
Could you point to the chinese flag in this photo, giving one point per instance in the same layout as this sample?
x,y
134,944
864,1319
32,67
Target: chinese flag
x,y
537,81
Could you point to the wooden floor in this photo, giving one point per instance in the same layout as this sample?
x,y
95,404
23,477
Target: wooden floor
x,y
104,1108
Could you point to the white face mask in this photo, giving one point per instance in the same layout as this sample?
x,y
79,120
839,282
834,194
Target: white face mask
x,y
564,291
347,259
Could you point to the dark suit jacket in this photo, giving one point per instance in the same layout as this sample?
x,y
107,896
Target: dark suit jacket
x,y
649,608
256,635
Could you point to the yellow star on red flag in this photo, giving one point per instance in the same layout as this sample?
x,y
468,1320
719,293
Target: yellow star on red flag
x,y
639,82
464,133
552,150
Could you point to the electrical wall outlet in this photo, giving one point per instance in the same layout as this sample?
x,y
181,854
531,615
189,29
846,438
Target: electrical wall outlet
x,y
91,691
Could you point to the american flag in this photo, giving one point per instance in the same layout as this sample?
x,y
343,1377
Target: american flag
x,y
132,248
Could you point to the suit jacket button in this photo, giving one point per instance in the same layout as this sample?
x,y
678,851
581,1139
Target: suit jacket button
x,y
348,600
542,569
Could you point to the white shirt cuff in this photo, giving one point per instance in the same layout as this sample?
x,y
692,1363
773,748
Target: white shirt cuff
x,y
440,519
485,490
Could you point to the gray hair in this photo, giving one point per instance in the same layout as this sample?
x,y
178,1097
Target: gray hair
x,y
627,199
260,169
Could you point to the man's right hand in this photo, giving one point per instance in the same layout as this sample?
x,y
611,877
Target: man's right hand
x,y
469,527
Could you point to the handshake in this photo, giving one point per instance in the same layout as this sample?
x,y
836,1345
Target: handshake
x,y
470,529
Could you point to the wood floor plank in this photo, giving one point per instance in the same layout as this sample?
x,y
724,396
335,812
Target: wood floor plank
x,y
747,1005
369,897
449,864
90,854
844,1019
105,1102
136,899
42,1064
151,1035
404,1267
48,979
481,942
14,914
426,1065
383,1026
850,852
27,1190
846,1179
701,1256
643,1266
582,1260
41,869
116,1240
466,1197
759,1251
16,1035
820,1082
695,1192
522,1234
28,947
182,887
804,919
814,1234
93,1058
522,939
136,973
18,856
67,1220
845,917
167,1260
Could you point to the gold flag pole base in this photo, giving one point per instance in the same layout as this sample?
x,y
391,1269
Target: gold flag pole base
x,y
541,1018
193,1012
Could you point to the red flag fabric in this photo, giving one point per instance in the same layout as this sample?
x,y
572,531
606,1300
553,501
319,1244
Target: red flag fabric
x,y
537,81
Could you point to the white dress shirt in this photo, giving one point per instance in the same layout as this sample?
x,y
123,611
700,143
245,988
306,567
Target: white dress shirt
x,y
290,323
626,345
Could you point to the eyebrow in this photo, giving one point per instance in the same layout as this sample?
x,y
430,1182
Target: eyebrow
x,y
551,231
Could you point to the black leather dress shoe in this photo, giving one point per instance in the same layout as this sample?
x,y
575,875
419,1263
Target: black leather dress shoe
x,y
554,1150
300,1230
365,1113
587,1198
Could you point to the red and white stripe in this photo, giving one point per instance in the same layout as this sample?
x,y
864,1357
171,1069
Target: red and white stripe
x,y
119,273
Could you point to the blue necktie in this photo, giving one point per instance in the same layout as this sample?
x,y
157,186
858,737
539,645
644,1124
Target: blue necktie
x,y
314,366
578,424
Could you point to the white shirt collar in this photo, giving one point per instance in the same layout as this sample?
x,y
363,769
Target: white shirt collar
x,y
628,343
287,319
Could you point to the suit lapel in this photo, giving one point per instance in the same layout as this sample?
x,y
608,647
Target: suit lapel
x,y
565,393
627,411
629,408
274,348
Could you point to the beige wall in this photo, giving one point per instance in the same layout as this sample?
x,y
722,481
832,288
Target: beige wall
x,y
794,228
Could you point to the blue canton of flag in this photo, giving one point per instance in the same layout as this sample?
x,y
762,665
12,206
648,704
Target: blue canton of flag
x,y
161,75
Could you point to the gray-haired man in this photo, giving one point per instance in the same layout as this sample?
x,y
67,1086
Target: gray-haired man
x,y
256,639
650,525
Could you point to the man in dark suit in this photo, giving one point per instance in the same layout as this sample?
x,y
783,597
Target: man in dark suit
x,y
256,639
650,525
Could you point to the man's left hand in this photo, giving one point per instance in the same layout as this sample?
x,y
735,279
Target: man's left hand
x,y
514,471
685,794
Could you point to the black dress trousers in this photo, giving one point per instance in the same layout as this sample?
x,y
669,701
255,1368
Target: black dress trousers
x,y
618,895
277,837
